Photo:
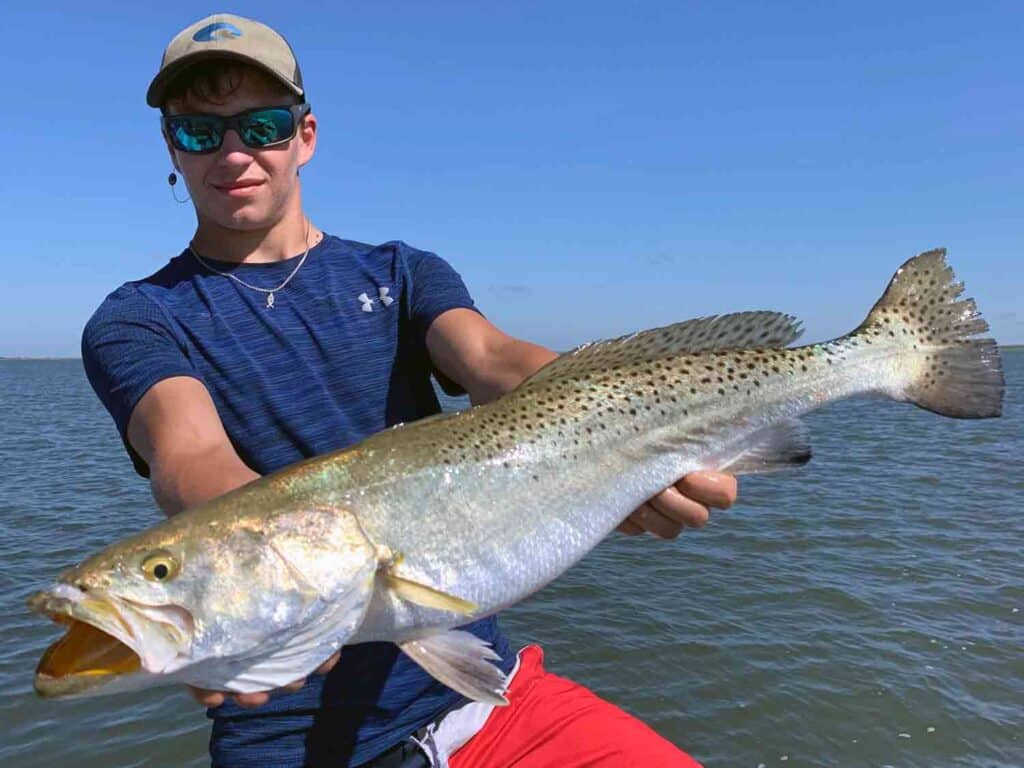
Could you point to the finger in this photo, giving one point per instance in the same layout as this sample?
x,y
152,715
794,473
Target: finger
x,y
635,523
679,508
650,519
630,528
323,669
715,489
207,698
328,665
251,700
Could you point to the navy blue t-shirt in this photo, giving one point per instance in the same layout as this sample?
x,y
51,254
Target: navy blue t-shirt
x,y
341,355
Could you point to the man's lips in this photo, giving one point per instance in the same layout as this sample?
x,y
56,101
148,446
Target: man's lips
x,y
237,188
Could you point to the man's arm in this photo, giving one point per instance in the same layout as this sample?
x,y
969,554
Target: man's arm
x,y
487,363
176,429
482,359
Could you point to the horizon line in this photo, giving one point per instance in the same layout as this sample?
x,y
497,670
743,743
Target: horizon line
x,y
79,357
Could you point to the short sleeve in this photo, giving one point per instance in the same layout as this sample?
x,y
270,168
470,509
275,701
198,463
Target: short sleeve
x,y
128,346
434,288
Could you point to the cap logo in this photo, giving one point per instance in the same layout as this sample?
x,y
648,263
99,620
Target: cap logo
x,y
220,30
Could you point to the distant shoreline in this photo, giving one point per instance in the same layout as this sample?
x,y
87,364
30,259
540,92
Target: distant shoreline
x,y
4,358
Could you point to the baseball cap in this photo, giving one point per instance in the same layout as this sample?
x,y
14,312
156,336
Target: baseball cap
x,y
226,36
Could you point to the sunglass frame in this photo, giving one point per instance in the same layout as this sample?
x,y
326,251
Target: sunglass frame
x,y
231,122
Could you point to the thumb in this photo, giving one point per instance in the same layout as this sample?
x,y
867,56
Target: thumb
x,y
328,665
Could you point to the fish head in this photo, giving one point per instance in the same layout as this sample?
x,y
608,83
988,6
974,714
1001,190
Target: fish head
x,y
127,609
195,590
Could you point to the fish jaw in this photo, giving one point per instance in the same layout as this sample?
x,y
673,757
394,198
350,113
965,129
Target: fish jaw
x,y
108,639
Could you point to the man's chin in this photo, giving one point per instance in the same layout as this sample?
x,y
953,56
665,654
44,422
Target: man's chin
x,y
241,217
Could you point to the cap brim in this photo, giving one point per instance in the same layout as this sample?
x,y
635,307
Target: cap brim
x,y
157,88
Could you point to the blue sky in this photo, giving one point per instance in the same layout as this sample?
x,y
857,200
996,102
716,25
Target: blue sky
x,y
590,168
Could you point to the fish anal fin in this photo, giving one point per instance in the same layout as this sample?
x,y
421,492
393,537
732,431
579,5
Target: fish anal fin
x,y
784,445
462,661
427,596
739,330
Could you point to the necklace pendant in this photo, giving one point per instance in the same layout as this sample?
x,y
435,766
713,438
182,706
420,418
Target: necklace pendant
x,y
270,300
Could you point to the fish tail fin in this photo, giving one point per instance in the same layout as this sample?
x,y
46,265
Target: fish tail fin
x,y
943,365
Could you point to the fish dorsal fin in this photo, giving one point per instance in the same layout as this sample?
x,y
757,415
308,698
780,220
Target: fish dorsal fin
x,y
734,331
462,661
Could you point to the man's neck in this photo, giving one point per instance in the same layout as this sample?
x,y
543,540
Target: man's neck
x,y
290,236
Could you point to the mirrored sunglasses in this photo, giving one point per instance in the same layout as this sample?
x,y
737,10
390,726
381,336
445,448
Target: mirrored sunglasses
x,y
257,128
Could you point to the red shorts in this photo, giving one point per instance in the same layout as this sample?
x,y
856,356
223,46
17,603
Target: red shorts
x,y
552,722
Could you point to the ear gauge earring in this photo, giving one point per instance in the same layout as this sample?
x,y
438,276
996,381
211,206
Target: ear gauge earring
x,y
172,179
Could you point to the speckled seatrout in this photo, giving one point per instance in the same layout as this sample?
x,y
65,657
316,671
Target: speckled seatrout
x,y
420,528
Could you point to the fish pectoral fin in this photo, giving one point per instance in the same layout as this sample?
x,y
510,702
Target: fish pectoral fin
x,y
781,446
428,597
462,661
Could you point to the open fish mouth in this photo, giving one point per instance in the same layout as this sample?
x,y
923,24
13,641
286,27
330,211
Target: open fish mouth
x,y
107,638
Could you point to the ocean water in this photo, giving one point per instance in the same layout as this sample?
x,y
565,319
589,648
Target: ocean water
x,y
866,610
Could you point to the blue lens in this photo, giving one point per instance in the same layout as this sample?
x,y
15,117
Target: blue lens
x,y
257,128
196,133
265,126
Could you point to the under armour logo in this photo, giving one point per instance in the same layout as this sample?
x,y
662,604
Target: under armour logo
x,y
383,297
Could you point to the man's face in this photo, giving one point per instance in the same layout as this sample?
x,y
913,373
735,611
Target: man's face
x,y
238,187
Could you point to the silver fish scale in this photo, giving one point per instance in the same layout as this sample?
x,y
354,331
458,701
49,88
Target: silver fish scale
x,y
606,439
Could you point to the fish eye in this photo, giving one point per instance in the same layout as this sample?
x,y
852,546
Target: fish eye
x,y
160,565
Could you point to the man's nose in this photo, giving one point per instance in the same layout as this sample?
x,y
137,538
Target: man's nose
x,y
233,143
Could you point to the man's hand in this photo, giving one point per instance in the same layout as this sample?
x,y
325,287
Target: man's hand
x,y
683,505
251,700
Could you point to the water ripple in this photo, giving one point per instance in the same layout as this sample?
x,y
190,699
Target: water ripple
x,y
865,610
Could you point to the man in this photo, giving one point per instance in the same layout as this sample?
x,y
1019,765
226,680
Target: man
x,y
267,341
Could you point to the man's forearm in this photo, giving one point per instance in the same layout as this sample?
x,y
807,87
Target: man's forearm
x,y
179,483
512,362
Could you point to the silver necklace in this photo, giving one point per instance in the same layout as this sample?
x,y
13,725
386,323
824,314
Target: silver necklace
x,y
269,291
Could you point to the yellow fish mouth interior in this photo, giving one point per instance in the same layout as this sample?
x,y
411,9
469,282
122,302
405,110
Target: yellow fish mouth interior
x,y
108,638
83,652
